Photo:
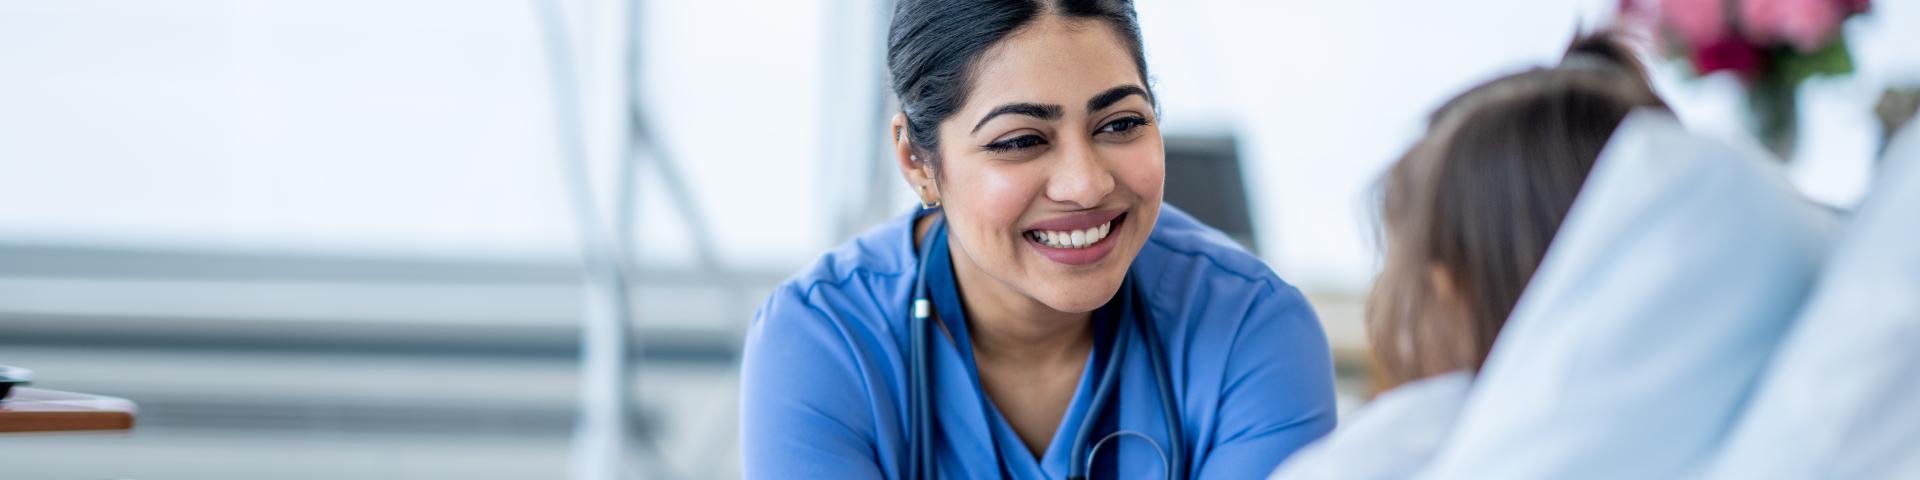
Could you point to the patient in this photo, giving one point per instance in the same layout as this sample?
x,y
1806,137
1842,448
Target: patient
x,y
1469,211
1467,215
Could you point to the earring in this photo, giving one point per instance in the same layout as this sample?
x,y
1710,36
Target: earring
x,y
926,204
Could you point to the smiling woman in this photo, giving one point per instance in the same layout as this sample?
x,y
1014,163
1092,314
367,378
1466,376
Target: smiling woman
x,y
987,333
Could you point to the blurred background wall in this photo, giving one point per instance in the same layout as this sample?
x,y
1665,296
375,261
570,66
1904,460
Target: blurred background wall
x,y
332,239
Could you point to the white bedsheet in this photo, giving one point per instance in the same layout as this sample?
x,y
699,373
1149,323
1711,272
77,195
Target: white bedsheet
x,y
1842,396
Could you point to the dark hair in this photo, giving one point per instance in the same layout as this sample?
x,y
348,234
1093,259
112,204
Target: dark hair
x,y
933,45
1476,202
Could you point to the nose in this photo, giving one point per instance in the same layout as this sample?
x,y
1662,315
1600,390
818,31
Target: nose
x,y
1080,177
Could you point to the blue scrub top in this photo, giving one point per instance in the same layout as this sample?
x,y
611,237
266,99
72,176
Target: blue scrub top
x,y
825,374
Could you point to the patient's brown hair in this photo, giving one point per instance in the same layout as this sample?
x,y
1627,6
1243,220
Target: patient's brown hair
x,y
1467,213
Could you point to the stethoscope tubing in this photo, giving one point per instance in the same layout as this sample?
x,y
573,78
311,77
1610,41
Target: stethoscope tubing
x,y
919,409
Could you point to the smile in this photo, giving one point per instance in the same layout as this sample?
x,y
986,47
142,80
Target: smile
x,y
1075,240
1071,238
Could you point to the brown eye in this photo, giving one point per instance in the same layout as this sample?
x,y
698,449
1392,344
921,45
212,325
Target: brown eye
x,y
1123,125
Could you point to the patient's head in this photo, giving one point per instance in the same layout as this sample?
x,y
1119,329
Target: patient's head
x,y
1467,213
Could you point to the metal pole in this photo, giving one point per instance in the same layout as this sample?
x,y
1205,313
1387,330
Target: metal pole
x,y
599,443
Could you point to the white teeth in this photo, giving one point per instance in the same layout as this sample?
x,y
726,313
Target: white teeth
x,y
1074,238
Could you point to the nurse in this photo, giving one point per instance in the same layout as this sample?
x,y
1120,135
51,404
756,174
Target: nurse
x,y
1073,325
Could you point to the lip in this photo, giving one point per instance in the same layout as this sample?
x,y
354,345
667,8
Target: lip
x,y
1077,221
1078,256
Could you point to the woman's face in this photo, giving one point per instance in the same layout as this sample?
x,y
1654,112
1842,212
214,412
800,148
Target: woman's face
x,y
1051,173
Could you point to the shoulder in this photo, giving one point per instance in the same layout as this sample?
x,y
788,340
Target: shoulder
x,y
855,288
815,369
1245,338
883,251
1188,264
1221,304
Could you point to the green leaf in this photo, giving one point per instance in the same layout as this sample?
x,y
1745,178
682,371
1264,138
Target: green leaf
x,y
1796,67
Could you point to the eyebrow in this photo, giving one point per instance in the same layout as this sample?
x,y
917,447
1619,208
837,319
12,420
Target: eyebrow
x,y
1035,110
1114,95
1053,112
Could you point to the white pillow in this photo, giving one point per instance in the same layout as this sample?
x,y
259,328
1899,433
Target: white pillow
x,y
1672,279
1842,396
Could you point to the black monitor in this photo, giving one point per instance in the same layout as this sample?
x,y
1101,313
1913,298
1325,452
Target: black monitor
x,y
1205,179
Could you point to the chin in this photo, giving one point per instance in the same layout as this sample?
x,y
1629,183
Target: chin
x,y
1084,299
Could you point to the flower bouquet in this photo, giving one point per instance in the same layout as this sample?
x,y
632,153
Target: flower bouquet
x,y
1772,45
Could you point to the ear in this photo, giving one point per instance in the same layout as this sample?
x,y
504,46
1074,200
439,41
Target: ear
x,y
917,171
1445,292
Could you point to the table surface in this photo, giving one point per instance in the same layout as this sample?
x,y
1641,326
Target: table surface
x,y
42,410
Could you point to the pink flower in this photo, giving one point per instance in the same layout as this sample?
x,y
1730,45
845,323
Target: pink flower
x,y
1808,25
1696,22
1732,54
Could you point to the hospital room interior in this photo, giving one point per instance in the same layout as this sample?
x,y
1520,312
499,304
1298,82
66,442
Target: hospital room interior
x,y
529,239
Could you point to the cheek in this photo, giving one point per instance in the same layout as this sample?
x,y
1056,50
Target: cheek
x,y
1006,195
993,197
1142,171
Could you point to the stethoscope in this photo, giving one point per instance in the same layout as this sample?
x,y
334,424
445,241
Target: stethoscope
x,y
920,408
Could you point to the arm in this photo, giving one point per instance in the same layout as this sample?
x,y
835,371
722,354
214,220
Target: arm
x,y
804,410
1278,392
